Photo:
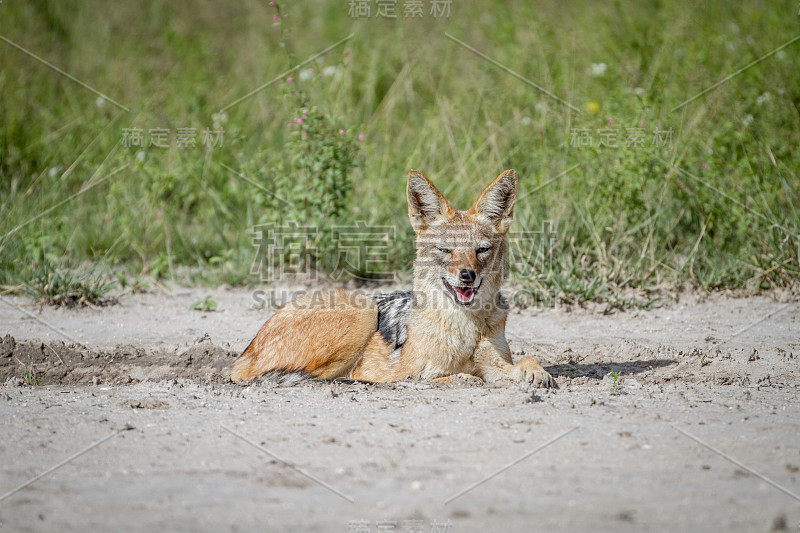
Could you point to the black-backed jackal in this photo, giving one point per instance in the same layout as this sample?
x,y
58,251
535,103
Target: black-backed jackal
x,y
453,321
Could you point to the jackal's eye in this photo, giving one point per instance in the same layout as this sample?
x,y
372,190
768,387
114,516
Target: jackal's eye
x,y
443,249
482,250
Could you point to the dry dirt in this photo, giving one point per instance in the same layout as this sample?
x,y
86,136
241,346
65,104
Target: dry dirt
x,y
700,432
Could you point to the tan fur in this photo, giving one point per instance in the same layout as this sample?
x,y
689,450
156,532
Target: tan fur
x,y
317,333
335,335
375,365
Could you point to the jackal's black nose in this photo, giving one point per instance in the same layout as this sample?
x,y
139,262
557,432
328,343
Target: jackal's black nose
x,y
467,276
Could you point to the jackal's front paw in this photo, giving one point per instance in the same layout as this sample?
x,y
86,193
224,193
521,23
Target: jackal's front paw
x,y
528,369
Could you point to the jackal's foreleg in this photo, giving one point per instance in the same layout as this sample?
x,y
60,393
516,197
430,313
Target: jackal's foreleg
x,y
493,361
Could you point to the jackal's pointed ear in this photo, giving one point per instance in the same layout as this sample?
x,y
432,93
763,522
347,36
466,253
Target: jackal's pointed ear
x,y
497,202
425,203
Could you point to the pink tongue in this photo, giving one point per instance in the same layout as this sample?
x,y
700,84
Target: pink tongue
x,y
464,293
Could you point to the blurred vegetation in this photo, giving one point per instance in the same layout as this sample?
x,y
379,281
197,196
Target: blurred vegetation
x,y
705,196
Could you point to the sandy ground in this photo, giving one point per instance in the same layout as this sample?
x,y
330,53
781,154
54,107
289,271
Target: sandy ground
x,y
701,432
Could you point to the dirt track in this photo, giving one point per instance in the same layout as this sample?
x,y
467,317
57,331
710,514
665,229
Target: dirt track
x,y
190,451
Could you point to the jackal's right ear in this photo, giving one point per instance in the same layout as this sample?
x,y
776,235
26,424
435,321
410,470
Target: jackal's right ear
x,y
425,203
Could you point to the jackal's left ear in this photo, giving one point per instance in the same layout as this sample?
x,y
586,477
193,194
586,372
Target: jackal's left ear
x,y
497,202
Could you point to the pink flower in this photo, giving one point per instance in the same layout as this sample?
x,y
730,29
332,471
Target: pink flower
x,y
341,132
361,137
643,123
288,124
347,52
286,15
276,17
272,4
298,120
311,70
705,166
609,120
290,79
304,112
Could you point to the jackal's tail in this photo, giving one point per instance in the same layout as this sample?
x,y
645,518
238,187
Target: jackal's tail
x,y
322,334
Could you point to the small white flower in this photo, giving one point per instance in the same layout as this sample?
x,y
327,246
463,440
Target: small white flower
x,y
329,71
781,55
765,97
100,102
638,91
747,120
140,156
597,69
526,121
55,171
218,119
540,107
305,75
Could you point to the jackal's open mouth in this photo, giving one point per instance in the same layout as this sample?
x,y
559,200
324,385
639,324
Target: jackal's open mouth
x,y
464,295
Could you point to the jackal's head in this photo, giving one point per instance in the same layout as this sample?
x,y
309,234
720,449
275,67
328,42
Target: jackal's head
x,y
461,254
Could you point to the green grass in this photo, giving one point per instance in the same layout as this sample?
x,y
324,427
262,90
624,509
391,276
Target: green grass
x,y
59,286
30,376
615,386
714,208
205,305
